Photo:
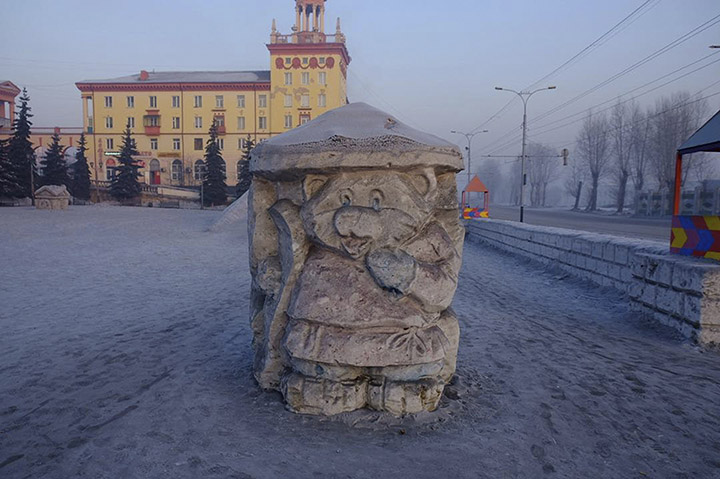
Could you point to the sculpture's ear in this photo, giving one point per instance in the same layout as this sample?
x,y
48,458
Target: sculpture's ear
x,y
312,184
425,182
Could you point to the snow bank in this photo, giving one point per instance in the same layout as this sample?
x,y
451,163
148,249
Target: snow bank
x,y
234,213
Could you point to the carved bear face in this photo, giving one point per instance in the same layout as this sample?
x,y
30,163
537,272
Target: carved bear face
x,y
354,213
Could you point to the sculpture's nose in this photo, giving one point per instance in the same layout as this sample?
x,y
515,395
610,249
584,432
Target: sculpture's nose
x,y
356,221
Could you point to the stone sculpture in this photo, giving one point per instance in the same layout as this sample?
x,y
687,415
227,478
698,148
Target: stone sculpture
x,y
52,197
355,249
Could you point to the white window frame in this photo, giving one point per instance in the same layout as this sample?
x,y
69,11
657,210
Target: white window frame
x,y
219,101
305,78
262,101
130,101
305,100
198,122
153,143
288,122
109,122
262,123
109,144
241,101
176,101
198,101
288,101
241,123
131,121
288,78
176,174
108,102
322,78
322,100
221,143
153,101
176,144
176,123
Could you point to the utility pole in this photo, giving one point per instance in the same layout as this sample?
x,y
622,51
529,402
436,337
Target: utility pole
x,y
469,137
524,96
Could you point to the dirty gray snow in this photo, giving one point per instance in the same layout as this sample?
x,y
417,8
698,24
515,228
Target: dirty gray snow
x,y
125,352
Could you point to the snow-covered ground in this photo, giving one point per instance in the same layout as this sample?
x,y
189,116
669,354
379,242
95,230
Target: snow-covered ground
x,y
125,353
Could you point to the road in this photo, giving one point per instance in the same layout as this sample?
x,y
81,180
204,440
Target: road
x,y
657,229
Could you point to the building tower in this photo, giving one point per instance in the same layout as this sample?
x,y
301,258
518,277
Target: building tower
x,y
308,68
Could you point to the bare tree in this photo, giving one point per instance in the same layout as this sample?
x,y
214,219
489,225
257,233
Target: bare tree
x,y
621,145
542,170
491,175
675,118
574,182
593,149
639,150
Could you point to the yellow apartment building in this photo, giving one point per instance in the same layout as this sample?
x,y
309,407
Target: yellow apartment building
x,y
169,113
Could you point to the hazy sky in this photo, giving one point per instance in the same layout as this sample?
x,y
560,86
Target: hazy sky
x,y
432,64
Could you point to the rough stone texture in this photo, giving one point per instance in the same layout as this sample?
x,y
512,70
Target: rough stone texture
x,y
355,250
677,291
52,197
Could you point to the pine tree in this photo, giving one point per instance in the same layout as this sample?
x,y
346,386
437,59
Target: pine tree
x,y
8,181
81,173
20,150
53,165
214,183
125,186
244,177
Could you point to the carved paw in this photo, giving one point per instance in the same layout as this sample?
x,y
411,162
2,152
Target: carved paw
x,y
392,270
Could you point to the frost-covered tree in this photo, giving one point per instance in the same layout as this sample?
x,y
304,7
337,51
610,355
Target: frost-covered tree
x,y
81,173
214,182
20,150
543,167
621,135
125,186
593,148
8,181
54,168
244,177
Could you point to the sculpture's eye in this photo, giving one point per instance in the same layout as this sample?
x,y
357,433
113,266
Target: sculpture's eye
x,y
376,200
346,198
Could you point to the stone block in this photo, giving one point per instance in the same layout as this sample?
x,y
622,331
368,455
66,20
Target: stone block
x,y
598,249
698,276
622,254
609,252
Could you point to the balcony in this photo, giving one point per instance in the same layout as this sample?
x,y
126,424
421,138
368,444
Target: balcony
x,y
151,124
221,129
152,130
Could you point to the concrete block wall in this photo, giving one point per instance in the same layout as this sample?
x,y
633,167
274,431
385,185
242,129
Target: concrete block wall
x,y
678,291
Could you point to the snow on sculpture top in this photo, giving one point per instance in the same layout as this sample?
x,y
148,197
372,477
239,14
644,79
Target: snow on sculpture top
x,y
356,135
355,250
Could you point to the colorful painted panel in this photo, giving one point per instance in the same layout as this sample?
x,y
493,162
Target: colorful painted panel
x,y
470,213
696,236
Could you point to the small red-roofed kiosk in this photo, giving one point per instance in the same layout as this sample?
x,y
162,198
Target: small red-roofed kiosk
x,y
694,235
471,208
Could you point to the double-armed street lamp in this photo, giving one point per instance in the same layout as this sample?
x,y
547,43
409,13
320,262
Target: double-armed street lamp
x,y
524,96
469,137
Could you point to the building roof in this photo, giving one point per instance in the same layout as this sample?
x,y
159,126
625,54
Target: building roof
x,y
707,138
9,87
258,76
476,186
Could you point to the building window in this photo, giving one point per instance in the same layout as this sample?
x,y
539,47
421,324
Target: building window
x,y
322,99
153,102
241,101
322,60
305,78
288,122
262,101
288,78
176,122
198,122
241,123
220,120
198,143
304,119
305,101
153,144
262,122
288,101
221,143
305,60
177,170
241,143
108,102
288,60
109,144
176,101
131,122
108,122
151,120
199,166
322,78
131,102
198,101
219,101
176,143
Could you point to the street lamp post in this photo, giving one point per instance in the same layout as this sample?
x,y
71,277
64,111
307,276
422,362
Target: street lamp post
x,y
524,96
469,137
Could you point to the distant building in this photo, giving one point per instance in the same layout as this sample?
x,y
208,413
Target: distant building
x,y
8,92
170,113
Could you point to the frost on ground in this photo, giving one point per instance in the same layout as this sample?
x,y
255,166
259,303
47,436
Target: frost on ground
x,y
125,353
